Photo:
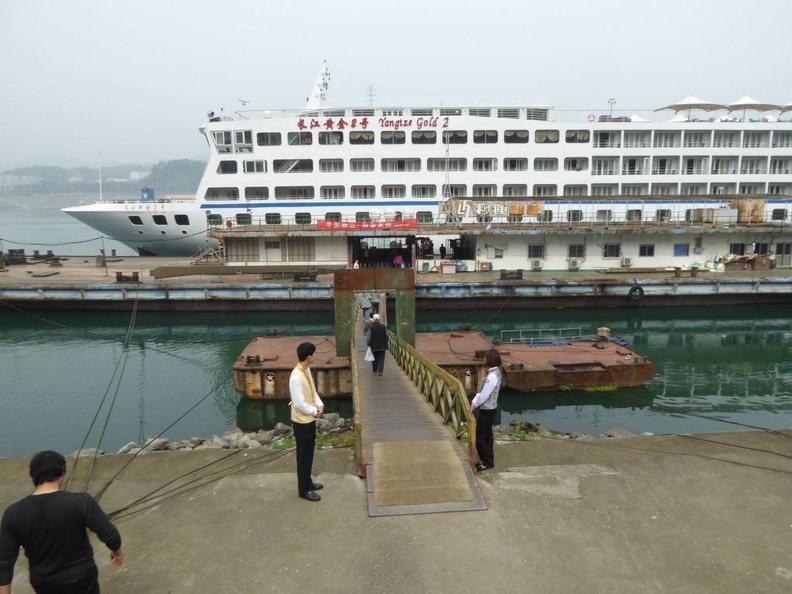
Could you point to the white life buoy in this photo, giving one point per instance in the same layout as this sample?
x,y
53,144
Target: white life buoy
x,y
591,117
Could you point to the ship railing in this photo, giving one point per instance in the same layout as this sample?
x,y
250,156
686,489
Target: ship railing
x,y
543,335
442,390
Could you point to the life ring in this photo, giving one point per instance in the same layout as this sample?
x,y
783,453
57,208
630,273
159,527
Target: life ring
x,y
591,117
635,293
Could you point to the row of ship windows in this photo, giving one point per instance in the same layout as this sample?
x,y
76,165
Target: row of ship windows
x,y
629,165
241,141
483,191
484,215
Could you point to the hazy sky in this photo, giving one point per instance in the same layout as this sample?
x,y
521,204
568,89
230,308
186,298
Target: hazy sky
x,y
134,80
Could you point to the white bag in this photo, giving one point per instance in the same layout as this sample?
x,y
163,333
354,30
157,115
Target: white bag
x,y
369,355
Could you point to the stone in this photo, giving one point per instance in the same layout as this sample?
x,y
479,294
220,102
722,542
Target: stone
x,y
281,429
128,448
617,433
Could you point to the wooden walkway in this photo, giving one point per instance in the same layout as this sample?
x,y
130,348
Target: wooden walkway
x,y
412,462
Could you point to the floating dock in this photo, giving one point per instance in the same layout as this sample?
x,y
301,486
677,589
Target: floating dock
x,y
262,370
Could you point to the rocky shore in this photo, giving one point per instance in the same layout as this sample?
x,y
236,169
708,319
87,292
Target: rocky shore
x,y
333,431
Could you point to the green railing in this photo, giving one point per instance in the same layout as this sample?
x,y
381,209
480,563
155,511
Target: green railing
x,y
443,391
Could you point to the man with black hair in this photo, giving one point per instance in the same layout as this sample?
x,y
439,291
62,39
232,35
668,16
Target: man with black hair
x,y
306,407
51,526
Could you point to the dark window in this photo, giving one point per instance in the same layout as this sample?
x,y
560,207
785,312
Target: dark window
x,y
611,250
272,218
135,220
646,250
300,138
366,137
182,219
574,216
576,250
244,218
214,219
331,137
302,218
228,167
160,220
332,216
485,137
388,137
683,249
424,137
268,138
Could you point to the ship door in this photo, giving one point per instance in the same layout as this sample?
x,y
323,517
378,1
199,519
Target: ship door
x,y
784,254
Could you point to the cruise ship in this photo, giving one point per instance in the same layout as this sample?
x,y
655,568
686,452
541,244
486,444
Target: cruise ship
x,y
513,185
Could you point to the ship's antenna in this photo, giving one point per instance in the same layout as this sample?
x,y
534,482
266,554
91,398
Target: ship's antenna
x,y
318,93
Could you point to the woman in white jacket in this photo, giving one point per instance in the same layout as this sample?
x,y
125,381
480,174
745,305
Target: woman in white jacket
x,y
486,401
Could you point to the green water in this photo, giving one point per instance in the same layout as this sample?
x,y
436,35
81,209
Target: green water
x,y
65,376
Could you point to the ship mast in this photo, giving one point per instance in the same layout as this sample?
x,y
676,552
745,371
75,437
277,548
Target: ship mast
x,y
317,97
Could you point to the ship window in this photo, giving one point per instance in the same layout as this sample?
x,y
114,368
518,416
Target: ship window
x,y
545,164
268,138
422,112
611,250
254,166
575,190
243,139
574,216
389,137
663,215
332,216
545,190
485,164
222,141
576,250
515,164
397,165
424,191
360,165
577,136
575,164
331,192
546,136
509,112
545,217
244,218
646,250
160,220
515,136
331,165
455,137
362,217
294,192
424,217
256,193
304,138
216,194
302,218
227,167
366,137
683,250
214,219
459,164
362,192
484,190
634,215
331,137
485,137
181,219
424,137
482,112
292,165
454,190
272,218
135,220
604,216
515,190
394,191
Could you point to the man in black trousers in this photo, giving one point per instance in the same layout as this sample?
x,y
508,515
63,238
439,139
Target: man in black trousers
x,y
377,339
306,407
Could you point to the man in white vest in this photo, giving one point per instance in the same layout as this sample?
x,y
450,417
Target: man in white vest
x,y
306,407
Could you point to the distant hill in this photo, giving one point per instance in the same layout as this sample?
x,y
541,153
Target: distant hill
x,y
179,176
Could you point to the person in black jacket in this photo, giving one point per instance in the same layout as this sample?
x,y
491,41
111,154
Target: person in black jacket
x,y
377,339
51,526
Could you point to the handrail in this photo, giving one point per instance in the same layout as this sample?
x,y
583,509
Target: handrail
x,y
443,391
356,402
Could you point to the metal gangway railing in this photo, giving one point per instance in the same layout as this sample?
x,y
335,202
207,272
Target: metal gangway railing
x,y
442,390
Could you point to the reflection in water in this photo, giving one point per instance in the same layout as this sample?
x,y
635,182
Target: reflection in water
x,y
55,368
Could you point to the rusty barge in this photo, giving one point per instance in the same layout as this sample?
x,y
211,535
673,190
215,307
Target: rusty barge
x,y
261,372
